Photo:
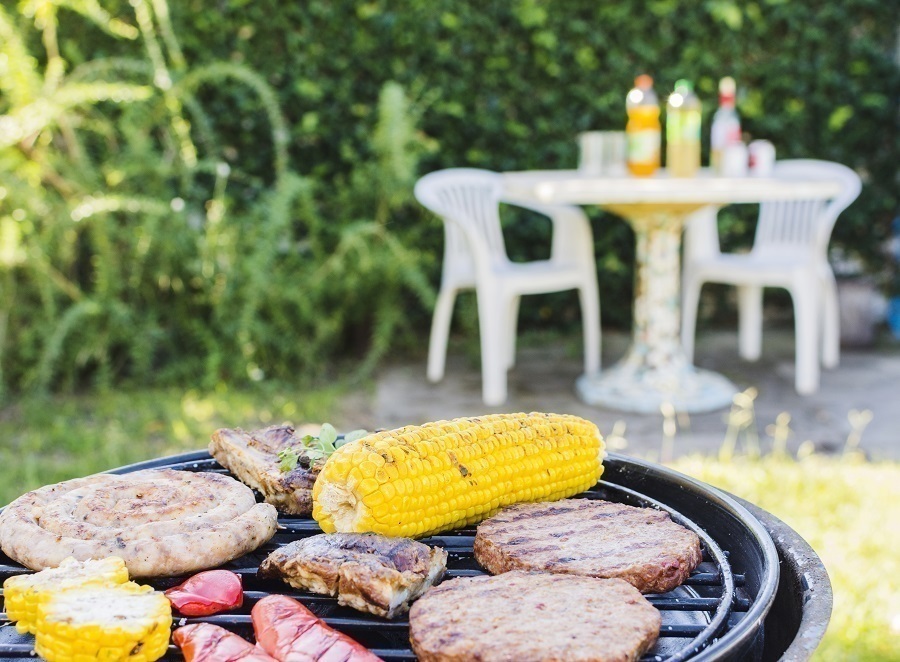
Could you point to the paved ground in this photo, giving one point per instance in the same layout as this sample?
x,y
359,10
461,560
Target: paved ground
x,y
544,376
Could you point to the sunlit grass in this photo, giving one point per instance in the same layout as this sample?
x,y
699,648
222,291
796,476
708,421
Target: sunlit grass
x,y
46,440
849,511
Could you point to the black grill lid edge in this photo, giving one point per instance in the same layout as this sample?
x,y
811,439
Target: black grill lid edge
x,y
805,597
162,462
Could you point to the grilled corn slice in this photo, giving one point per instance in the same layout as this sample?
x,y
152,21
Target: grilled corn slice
x,y
23,593
420,480
110,623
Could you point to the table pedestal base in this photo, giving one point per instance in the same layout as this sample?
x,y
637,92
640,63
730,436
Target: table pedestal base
x,y
656,370
632,388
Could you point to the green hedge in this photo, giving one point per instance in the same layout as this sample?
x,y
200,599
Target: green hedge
x,y
508,85
256,220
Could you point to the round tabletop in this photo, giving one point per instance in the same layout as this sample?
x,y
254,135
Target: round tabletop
x,y
575,187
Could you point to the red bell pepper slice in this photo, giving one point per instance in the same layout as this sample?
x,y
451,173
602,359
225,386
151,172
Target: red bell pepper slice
x,y
207,593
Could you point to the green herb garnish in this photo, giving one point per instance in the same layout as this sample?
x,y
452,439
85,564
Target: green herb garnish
x,y
317,447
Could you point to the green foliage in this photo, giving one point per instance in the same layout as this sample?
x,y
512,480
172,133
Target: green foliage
x,y
227,193
515,81
134,245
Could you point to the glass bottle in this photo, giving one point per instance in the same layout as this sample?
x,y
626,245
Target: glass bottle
x,y
726,124
683,117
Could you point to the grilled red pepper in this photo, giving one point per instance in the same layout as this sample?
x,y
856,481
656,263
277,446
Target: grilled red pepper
x,y
207,593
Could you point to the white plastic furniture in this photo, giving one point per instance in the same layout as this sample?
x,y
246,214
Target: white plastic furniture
x,y
790,250
656,370
468,200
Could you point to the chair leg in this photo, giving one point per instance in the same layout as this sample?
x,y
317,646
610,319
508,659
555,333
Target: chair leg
x,y
831,322
590,319
806,342
513,323
750,322
494,332
440,332
690,300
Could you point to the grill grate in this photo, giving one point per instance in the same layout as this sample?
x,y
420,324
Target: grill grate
x,y
694,615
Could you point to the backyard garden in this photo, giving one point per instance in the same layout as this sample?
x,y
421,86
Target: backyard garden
x,y
207,216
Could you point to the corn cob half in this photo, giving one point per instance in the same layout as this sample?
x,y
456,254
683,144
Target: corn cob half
x,y
419,480
23,594
110,623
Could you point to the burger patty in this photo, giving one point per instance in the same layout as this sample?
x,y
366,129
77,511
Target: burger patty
x,y
366,571
160,522
643,546
531,617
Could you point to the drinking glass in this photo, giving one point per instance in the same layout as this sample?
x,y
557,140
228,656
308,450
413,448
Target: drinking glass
x,y
602,153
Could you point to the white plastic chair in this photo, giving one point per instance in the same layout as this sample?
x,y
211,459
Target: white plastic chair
x,y
468,200
790,250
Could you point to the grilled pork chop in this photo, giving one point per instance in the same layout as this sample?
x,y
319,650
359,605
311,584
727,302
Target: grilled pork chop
x,y
643,546
253,458
365,571
534,617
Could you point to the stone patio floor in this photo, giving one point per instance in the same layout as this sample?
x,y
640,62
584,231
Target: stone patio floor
x,y
543,380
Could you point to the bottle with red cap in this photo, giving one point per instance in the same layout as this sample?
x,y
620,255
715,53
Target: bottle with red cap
x,y
726,125
643,130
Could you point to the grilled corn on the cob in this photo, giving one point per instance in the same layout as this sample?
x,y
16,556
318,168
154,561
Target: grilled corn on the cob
x,y
110,623
420,480
23,593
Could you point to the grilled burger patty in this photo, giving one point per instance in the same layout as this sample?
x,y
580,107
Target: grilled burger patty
x,y
643,546
253,458
368,572
161,522
531,617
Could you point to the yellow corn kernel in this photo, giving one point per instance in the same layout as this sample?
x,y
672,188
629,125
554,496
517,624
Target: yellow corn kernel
x,y
448,474
111,623
23,594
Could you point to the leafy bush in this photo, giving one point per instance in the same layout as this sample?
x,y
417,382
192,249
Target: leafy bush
x,y
132,248
234,202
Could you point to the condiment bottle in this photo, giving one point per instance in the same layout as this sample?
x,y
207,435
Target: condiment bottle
x,y
726,125
683,117
643,128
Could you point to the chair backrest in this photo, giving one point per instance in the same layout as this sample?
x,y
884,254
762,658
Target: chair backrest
x,y
793,225
468,201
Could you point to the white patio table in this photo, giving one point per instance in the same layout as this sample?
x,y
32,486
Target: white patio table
x,y
655,369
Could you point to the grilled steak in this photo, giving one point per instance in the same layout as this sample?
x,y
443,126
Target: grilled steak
x,y
531,617
643,546
365,571
161,522
253,458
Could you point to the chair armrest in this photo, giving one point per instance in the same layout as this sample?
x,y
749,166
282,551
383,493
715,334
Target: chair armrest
x,y
572,234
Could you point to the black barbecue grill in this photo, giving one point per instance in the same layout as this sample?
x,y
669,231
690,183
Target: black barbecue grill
x,y
719,613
